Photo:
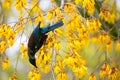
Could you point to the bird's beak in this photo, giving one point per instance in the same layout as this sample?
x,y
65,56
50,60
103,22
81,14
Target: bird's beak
x,y
33,62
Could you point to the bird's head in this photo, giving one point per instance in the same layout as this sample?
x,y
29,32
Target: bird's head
x,y
32,59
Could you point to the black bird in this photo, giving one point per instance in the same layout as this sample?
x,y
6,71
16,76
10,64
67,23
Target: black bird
x,y
37,38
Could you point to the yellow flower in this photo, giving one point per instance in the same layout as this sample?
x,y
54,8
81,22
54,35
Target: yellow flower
x,y
93,25
77,34
78,1
70,8
5,63
7,36
70,61
107,15
19,4
44,58
58,11
61,76
34,74
25,54
13,77
11,41
3,46
92,77
40,18
51,14
57,46
59,65
39,58
95,39
18,27
22,47
104,38
118,75
109,46
24,51
118,46
76,63
57,69
55,13
80,71
59,14
104,70
105,41
35,9
79,58
45,68
59,31
6,4
73,60
89,5
113,73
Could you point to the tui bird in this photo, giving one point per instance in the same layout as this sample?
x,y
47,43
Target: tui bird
x,y
37,38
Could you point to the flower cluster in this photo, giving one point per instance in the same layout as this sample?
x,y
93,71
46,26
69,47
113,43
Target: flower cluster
x,y
43,59
89,5
54,41
76,63
118,45
108,71
40,18
92,77
59,69
34,7
93,25
70,8
75,25
5,63
107,15
34,74
24,51
19,26
36,12
6,4
104,70
7,36
104,40
13,77
55,13
61,76
78,1
20,4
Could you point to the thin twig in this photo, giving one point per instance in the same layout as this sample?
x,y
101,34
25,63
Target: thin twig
x,y
1,13
52,72
34,6
106,53
18,55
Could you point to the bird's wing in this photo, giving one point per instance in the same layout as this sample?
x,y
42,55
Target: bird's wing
x,y
41,40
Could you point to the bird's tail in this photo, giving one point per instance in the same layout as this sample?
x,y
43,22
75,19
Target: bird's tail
x,y
52,27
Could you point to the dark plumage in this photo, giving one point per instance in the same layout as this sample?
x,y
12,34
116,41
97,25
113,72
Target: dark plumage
x,y
37,39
